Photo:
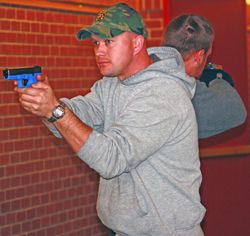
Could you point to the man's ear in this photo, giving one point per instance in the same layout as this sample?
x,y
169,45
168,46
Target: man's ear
x,y
199,55
138,43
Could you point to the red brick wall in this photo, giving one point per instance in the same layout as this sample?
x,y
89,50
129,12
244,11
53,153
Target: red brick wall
x,y
44,188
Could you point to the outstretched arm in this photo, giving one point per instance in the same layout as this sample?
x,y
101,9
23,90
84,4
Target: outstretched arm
x,y
40,101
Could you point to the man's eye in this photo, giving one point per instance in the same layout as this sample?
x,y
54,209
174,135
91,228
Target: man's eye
x,y
108,41
95,42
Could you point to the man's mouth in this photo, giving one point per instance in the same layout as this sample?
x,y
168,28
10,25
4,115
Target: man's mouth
x,y
102,63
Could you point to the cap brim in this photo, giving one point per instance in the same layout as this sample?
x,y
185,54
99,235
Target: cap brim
x,y
97,29
100,30
84,34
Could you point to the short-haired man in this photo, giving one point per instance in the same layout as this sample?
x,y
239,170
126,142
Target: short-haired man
x,y
136,128
217,104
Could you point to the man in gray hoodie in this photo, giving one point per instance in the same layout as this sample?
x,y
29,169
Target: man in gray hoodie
x,y
136,128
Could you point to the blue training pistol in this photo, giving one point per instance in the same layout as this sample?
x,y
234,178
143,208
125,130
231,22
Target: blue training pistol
x,y
25,77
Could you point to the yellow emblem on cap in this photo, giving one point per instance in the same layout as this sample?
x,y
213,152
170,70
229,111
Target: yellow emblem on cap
x,y
101,15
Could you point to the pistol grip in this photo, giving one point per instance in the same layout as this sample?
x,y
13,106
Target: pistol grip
x,y
31,81
27,82
20,83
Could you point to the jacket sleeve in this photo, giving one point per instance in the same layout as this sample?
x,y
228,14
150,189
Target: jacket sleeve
x,y
91,105
150,119
218,108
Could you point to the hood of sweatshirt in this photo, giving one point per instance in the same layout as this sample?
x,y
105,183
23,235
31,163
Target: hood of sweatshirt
x,y
168,63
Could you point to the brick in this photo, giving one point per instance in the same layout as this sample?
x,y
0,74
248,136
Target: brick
x,y
20,216
10,170
35,27
25,26
15,181
16,229
23,145
158,4
26,227
157,33
6,231
2,220
4,134
14,193
154,23
30,15
4,183
20,14
15,26
25,203
31,213
16,205
5,25
2,198
45,221
24,156
19,192
10,218
40,16
5,207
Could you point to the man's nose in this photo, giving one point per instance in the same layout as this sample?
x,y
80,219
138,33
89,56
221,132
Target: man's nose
x,y
100,49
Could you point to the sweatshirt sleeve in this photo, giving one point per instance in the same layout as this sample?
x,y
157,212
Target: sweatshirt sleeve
x,y
91,105
218,108
153,117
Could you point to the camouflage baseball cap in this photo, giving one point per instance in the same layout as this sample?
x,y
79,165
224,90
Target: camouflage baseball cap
x,y
113,21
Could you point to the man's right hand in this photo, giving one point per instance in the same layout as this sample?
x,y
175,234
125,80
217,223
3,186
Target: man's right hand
x,y
39,99
210,74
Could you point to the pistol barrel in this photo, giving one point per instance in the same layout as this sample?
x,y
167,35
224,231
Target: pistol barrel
x,y
21,71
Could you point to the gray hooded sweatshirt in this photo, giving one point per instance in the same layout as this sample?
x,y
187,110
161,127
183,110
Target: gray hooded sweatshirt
x,y
145,147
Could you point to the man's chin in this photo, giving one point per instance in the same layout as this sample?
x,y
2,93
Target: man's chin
x,y
105,74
